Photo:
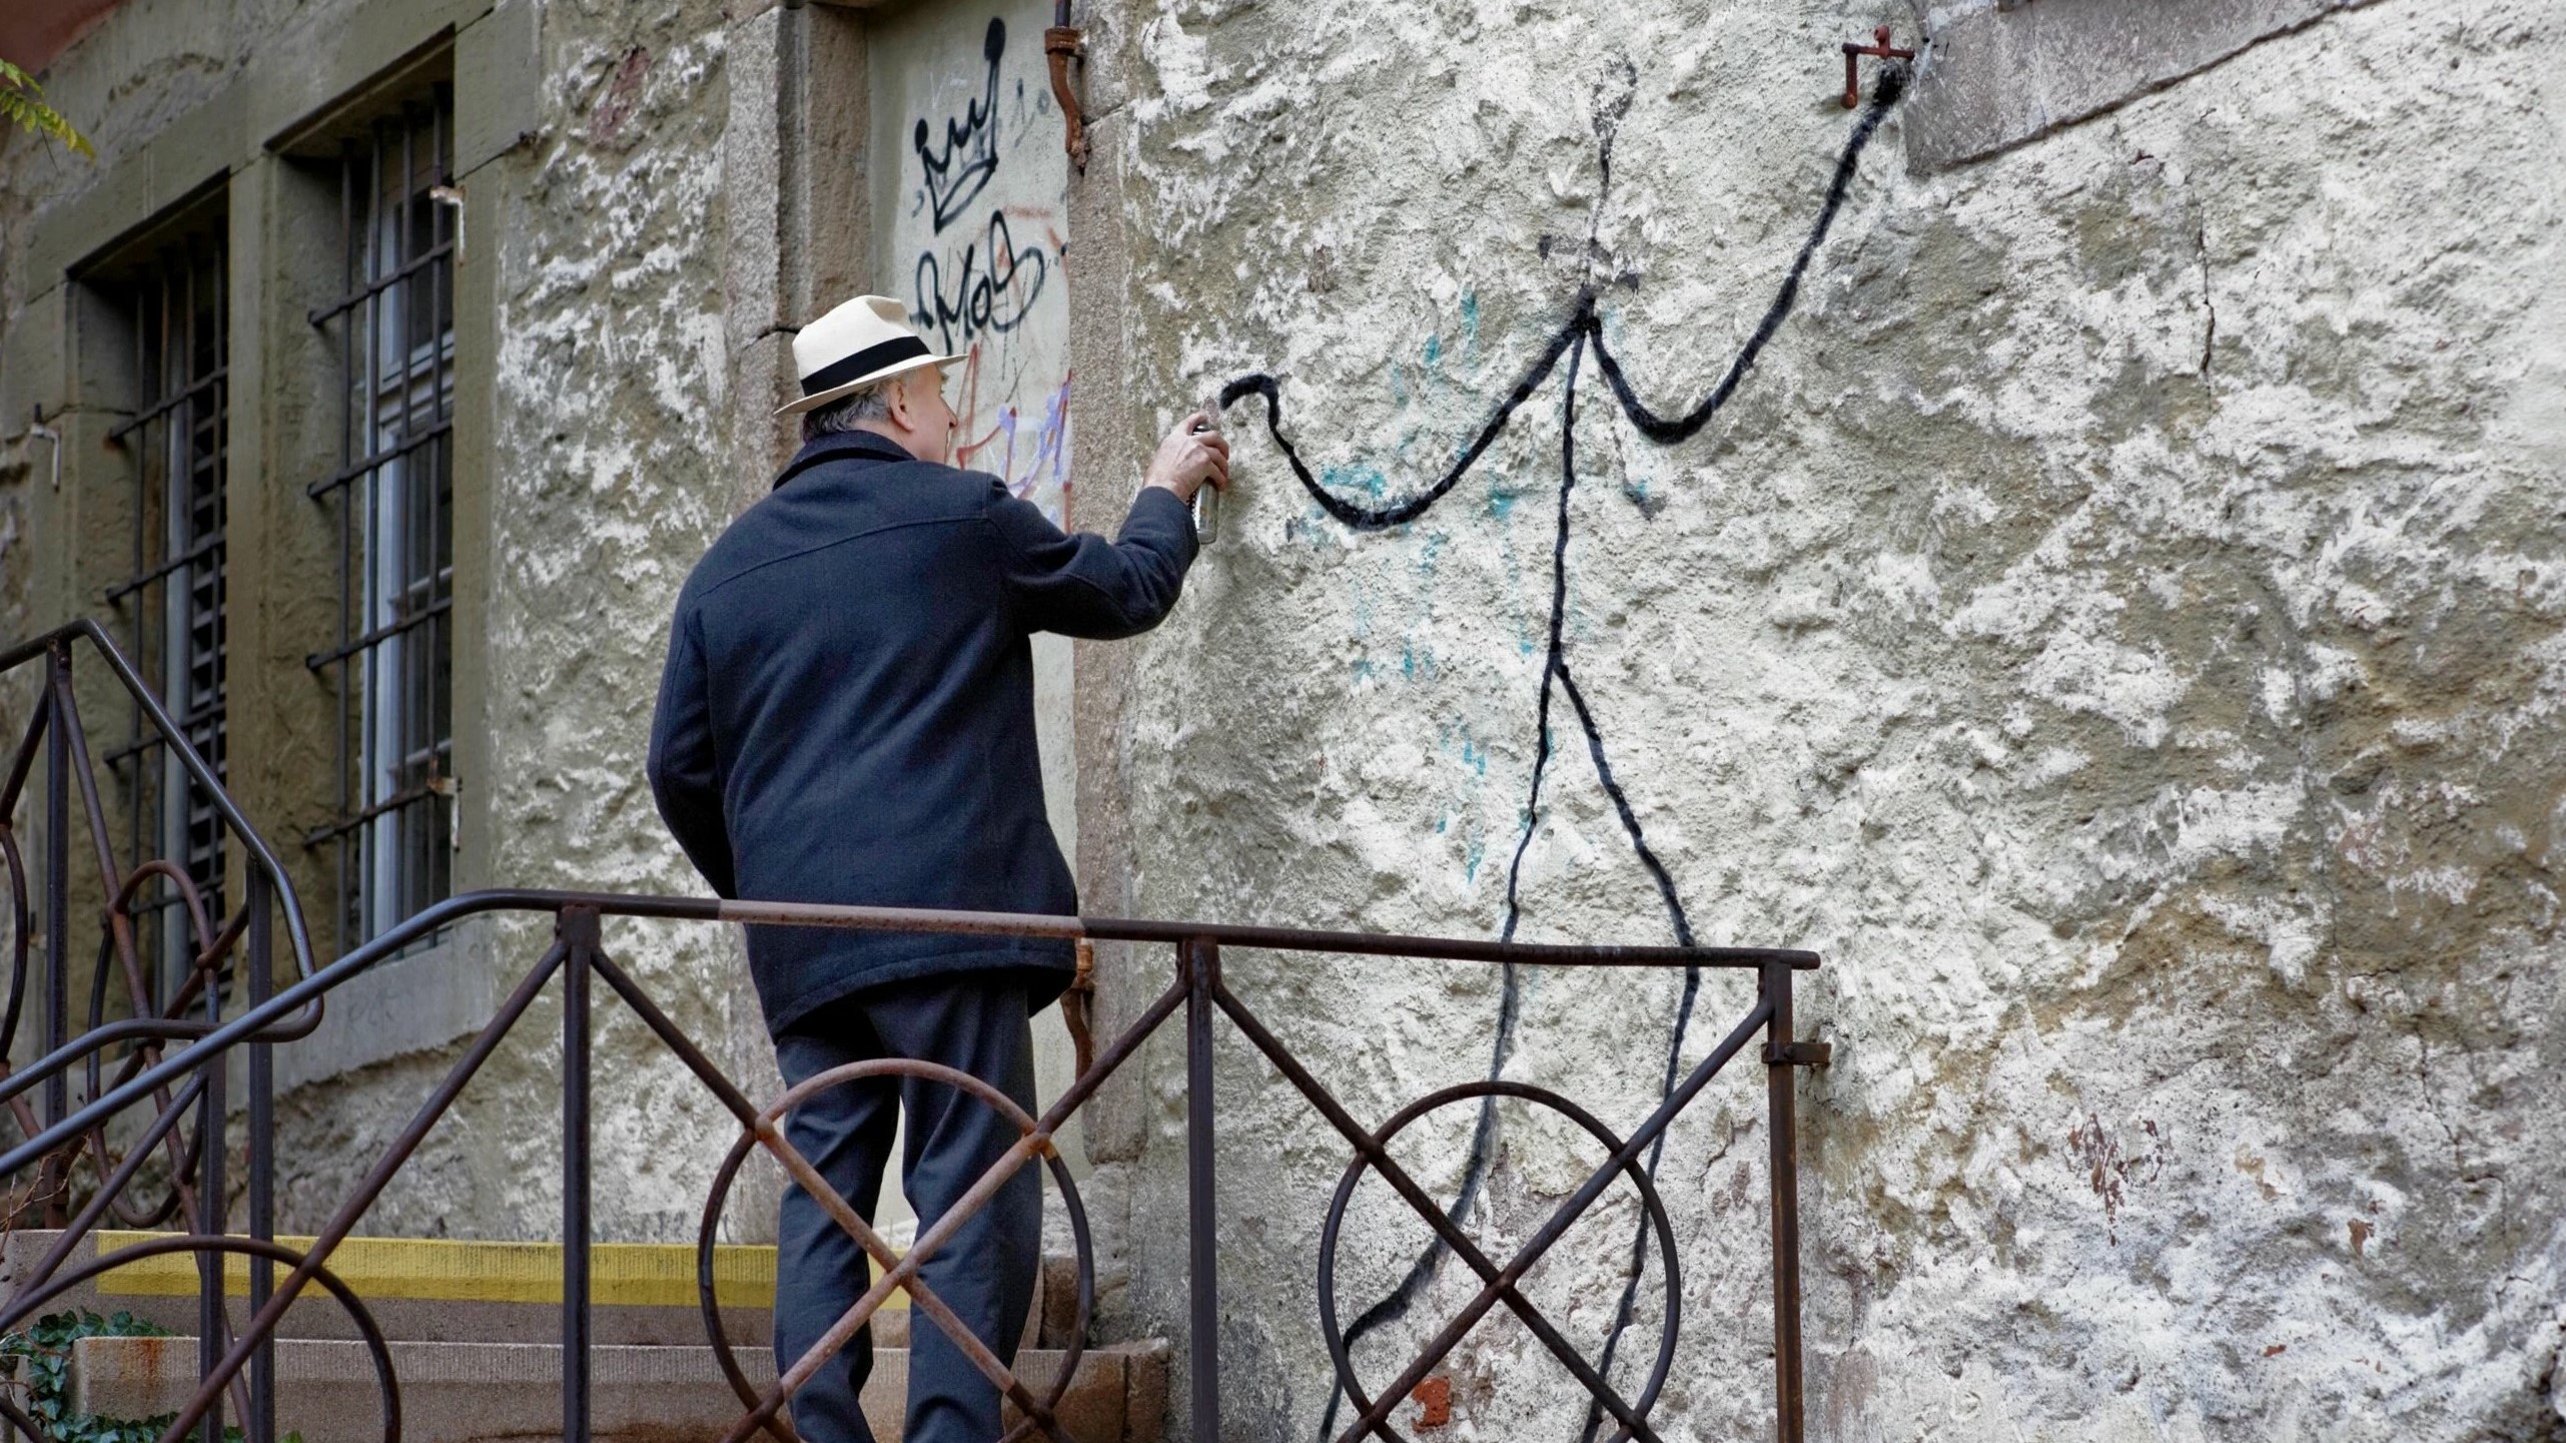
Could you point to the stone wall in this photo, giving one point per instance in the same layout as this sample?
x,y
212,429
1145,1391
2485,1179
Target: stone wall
x,y
2116,621
605,342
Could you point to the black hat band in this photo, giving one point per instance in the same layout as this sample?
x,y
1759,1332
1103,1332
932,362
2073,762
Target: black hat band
x,y
864,363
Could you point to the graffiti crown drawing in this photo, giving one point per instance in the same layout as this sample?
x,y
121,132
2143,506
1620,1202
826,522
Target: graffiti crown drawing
x,y
962,169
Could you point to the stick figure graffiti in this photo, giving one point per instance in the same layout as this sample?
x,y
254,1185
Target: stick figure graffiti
x,y
1583,329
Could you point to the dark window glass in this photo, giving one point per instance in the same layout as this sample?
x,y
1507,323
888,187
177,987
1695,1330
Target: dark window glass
x,y
171,603
393,496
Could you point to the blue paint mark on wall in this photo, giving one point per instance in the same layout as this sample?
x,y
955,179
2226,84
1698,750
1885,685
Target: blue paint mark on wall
x,y
1368,479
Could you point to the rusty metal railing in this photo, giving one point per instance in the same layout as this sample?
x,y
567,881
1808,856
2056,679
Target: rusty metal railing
x,y
190,1078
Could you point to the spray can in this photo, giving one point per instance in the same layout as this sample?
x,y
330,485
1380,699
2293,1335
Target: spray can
x,y
1207,497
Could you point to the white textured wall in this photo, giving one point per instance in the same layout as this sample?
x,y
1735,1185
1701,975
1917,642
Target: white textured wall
x,y
2117,623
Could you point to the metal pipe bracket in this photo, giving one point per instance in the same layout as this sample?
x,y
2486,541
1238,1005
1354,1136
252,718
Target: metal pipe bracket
x,y
1062,44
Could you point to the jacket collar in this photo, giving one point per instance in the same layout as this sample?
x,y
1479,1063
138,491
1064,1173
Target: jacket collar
x,y
843,446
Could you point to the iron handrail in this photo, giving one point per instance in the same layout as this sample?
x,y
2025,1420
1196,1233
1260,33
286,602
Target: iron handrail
x,y
298,936
578,954
434,918
191,1078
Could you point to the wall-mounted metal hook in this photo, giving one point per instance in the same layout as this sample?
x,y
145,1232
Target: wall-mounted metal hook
x,y
1878,49
452,196
37,429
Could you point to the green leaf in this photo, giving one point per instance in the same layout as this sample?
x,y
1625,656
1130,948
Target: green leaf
x,y
46,1345
22,101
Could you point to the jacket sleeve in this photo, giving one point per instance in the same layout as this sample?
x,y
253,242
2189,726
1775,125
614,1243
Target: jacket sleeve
x,y
683,776
1085,585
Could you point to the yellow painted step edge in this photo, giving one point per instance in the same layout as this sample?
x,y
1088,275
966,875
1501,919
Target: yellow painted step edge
x,y
620,1274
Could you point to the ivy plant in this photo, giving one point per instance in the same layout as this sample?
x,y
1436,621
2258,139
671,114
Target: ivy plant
x,y
37,1365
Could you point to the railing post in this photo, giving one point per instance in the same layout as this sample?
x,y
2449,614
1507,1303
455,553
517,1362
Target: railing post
x,y
1202,963
261,1422
212,1325
578,928
57,910
1780,1057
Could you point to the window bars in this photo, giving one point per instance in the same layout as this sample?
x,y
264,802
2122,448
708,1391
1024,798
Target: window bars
x,y
172,601
394,498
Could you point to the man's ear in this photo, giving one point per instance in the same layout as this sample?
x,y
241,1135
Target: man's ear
x,y
903,406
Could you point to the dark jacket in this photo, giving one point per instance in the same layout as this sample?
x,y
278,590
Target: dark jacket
x,y
848,709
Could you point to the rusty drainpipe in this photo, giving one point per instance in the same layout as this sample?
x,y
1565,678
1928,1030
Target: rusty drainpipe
x,y
1062,43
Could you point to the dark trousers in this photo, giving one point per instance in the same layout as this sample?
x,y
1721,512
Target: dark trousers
x,y
976,1023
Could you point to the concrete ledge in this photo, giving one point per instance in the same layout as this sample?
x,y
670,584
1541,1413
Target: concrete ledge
x,y
412,1005
485,1392
1995,78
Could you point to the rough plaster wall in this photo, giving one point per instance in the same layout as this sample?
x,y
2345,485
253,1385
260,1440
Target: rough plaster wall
x,y
611,476
161,72
610,480
2117,623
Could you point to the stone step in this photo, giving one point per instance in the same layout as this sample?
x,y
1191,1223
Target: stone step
x,y
508,1392
435,1290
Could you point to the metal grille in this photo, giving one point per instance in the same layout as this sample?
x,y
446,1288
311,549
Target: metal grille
x,y
393,495
172,601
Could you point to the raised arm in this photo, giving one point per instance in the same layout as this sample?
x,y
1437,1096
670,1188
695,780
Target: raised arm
x,y
1085,585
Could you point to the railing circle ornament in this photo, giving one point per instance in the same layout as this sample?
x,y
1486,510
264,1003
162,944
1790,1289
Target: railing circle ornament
x,y
769,1133
1613,1147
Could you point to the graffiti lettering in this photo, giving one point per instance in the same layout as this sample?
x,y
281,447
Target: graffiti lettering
x,y
992,292
959,172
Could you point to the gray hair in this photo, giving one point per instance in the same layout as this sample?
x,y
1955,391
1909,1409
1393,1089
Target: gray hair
x,y
873,403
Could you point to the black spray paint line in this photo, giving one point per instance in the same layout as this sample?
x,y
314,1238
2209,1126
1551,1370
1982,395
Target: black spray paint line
x,y
1891,85
1583,324
1584,319
1483,1134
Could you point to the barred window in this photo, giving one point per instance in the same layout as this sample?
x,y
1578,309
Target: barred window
x,y
394,500
171,603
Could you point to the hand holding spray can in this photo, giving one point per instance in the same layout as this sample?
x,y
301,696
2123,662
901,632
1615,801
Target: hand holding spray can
x,y
1207,497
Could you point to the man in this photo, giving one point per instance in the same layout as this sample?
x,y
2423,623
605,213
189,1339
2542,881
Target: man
x,y
847,716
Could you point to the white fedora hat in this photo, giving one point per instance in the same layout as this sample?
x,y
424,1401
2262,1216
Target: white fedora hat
x,y
866,340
